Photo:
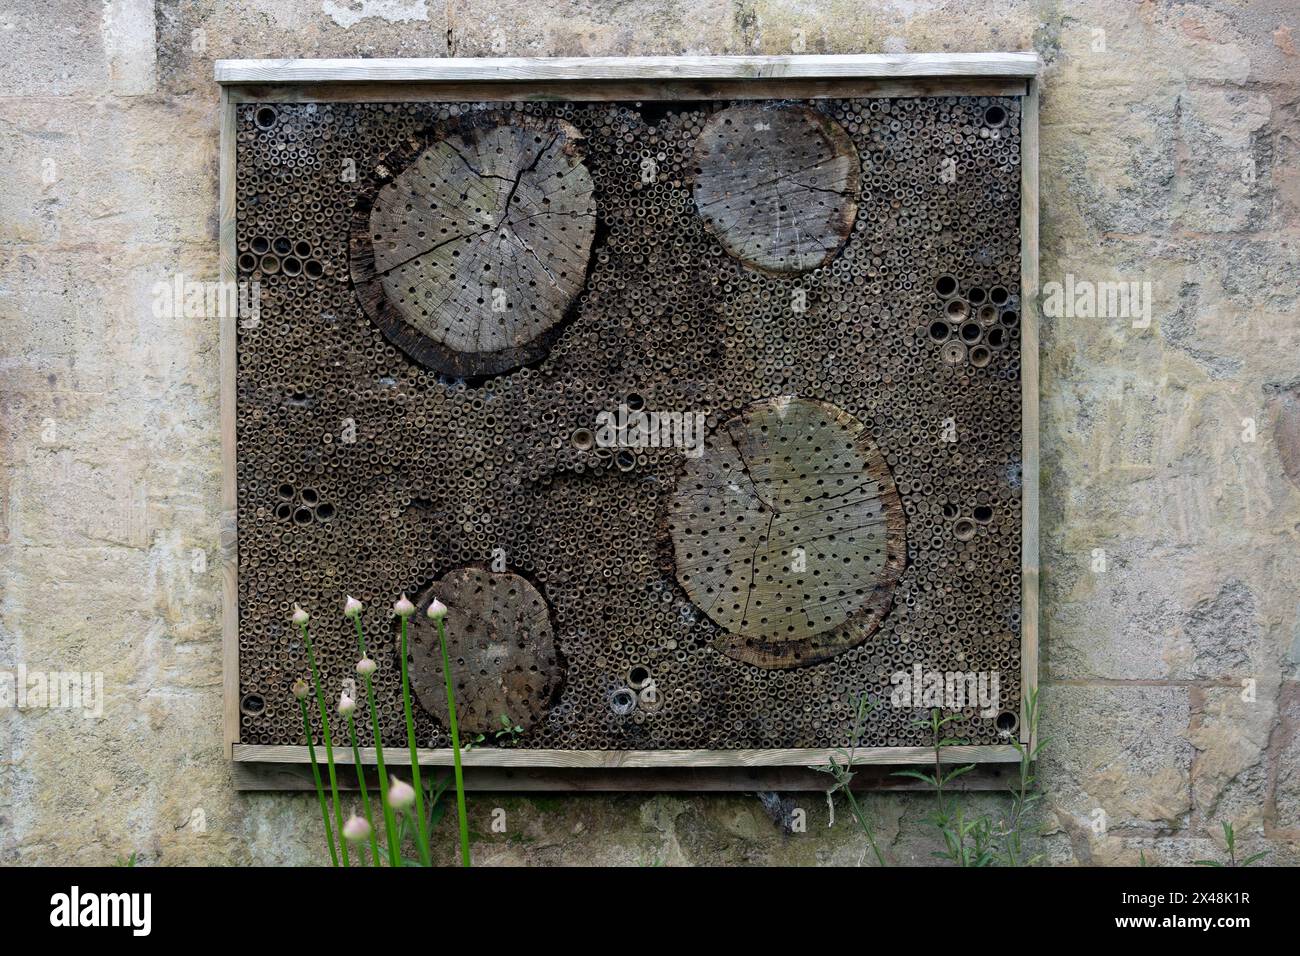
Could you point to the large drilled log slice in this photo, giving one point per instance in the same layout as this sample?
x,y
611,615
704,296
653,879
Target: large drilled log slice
x,y
475,240
778,186
502,649
788,532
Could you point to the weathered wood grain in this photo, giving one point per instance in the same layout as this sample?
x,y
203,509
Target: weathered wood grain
x,y
258,775
510,757
228,361
502,648
777,185
474,248
627,90
1029,401
664,68
789,533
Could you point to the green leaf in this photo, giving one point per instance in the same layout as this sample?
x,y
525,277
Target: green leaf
x,y
1251,859
948,777
1206,863
916,775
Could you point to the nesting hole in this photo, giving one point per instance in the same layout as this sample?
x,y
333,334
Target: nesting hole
x,y
622,701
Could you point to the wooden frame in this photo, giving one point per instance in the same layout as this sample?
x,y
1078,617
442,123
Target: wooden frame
x,y
631,78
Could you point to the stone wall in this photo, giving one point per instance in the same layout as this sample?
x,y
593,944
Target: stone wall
x,y
1171,453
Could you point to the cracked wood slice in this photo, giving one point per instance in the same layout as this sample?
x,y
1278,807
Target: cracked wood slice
x,y
788,532
777,186
502,649
476,243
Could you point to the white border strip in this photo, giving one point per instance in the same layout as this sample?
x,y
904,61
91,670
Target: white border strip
x,y
447,69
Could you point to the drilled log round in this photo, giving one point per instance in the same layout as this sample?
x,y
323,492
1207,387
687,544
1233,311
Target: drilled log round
x,y
778,187
502,650
788,532
470,254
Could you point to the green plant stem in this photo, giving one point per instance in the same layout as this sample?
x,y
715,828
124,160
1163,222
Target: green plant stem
x,y
455,744
329,744
320,787
365,797
865,825
864,707
421,827
938,764
390,823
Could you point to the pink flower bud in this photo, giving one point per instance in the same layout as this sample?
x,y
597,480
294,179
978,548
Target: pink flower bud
x,y
300,689
366,667
404,608
346,705
352,607
300,617
356,829
437,610
400,795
